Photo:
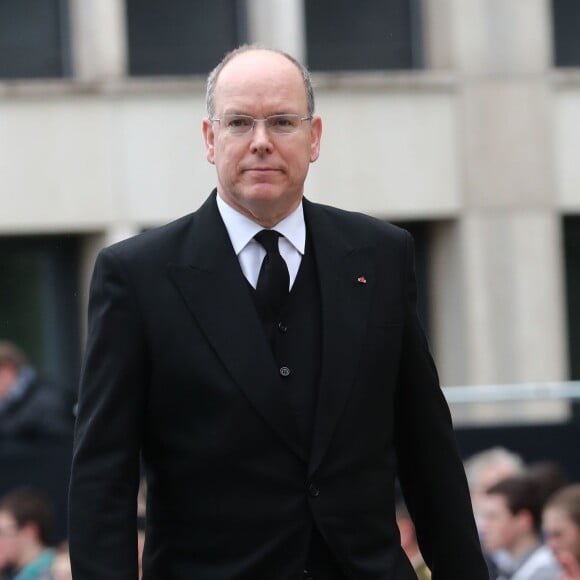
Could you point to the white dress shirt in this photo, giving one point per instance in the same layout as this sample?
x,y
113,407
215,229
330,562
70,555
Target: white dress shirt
x,y
242,230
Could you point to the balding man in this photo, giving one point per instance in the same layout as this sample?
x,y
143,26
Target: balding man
x,y
264,354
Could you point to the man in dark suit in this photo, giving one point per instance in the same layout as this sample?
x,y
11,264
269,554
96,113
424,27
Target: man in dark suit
x,y
272,423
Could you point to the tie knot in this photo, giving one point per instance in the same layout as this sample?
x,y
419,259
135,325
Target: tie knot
x,y
269,240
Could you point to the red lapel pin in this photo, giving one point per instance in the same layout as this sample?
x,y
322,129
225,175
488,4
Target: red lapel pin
x,y
361,280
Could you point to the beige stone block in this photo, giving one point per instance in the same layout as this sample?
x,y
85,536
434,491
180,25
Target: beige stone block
x,y
57,163
99,39
499,37
278,24
566,105
387,152
513,306
507,135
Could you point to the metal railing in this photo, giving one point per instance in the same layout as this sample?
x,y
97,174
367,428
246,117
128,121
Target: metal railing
x,y
568,391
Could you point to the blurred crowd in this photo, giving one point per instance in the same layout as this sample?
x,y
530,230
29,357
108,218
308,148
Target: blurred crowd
x,y
528,516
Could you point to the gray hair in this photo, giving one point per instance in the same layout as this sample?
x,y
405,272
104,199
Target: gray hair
x,y
477,464
214,74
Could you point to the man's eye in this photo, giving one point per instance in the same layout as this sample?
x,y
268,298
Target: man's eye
x,y
284,122
237,122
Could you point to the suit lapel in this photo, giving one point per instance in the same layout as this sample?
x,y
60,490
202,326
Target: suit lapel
x,y
215,291
346,277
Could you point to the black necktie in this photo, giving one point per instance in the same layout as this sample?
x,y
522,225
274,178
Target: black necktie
x,y
273,280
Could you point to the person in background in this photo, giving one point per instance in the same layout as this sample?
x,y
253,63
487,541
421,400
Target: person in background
x,y
549,476
141,522
511,512
30,408
487,468
483,470
60,568
561,525
409,542
6,569
26,525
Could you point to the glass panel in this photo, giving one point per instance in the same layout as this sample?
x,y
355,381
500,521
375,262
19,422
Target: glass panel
x,y
33,37
566,26
572,259
176,37
366,35
39,303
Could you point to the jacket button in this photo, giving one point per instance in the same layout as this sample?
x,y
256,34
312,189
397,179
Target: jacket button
x,y
284,371
313,490
282,327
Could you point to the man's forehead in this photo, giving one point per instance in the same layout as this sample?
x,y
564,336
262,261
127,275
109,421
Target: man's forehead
x,y
268,58
257,67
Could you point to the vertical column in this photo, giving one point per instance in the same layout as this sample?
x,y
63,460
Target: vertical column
x,y
278,24
99,39
507,321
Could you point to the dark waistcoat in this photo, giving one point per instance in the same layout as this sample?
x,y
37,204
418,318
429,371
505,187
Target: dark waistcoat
x,y
295,338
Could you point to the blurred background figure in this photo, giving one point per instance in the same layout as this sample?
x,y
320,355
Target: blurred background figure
x,y
29,407
483,470
61,568
561,524
511,520
25,528
141,522
6,569
409,542
487,468
549,477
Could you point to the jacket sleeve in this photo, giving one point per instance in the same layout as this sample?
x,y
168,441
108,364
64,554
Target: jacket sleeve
x,y
429,466
105,470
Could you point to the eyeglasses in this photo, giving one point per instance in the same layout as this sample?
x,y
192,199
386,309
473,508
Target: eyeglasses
x,y
279,124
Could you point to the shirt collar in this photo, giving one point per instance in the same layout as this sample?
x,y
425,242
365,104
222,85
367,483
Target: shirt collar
x,y
242,229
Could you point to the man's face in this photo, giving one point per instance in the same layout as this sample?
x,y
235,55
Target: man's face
x,y
261,173
562,534
501,529
9,539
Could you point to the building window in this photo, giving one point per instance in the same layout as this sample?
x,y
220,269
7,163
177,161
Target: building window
x,y
572,260
34,39
39,303
366,35
566,26
181,37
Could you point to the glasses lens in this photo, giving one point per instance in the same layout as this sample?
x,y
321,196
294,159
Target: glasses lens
x,y
283,123
237,124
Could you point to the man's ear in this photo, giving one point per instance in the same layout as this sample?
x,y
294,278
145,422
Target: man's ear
x,y
208,137
315,136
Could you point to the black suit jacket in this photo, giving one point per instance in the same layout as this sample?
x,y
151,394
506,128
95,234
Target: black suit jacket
x,y
178,366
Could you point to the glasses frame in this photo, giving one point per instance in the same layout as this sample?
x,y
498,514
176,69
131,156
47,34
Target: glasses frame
x,y
265,120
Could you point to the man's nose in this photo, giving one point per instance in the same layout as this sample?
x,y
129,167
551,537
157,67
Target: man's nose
x,y
261,138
